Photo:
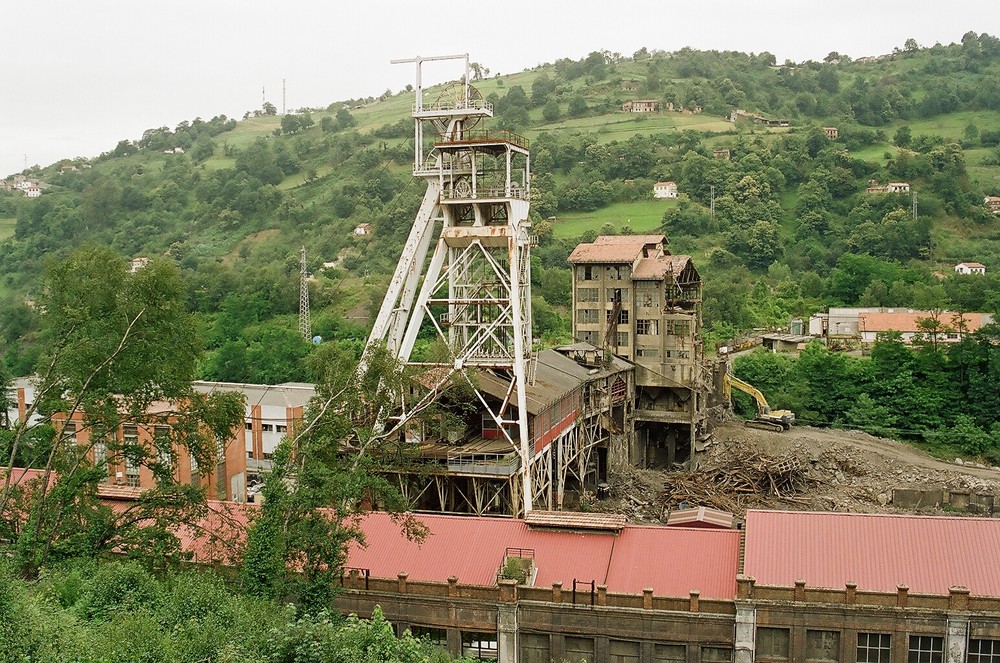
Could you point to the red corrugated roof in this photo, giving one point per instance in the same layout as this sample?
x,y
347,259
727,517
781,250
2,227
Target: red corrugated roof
x,y
614,248
473,549
906,321
878,552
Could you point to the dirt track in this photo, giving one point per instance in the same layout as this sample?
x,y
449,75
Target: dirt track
x,y
832,469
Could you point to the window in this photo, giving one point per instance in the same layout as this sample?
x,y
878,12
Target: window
x,y
647,327
580,649
984,651
926,649
873,647
281,429
623,651
588,294
683,354
164,450
716,655
535,648
591,337
483,646
822,646
622,317
647,297
681,328
647,353
267,428
618,271
588,273
588,316
69,431
670,654
249,425
100,455
250,455
621,339
436,636
618,294
194,464
772,643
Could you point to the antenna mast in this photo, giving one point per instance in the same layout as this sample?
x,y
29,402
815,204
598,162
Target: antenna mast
x,y
305,327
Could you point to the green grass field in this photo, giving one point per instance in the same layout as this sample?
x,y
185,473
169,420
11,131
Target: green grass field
x,y
643,217
7,228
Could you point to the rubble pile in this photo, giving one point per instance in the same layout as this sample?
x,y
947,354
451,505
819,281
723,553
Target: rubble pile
x,y
804,468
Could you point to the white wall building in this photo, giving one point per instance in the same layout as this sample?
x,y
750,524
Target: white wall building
x,y
665,190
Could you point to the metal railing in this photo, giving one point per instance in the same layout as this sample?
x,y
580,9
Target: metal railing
x,y
488,136
452,105
484,463
518,192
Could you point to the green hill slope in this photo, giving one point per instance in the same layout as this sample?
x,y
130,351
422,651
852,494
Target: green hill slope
x,y
792,228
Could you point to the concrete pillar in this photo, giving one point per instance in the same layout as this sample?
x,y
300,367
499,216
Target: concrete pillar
x,y
800,590
401,578
647,598
744,586
507,622
746,629
956,638
901,595
958,599
453,586
693,599
557,592
602,595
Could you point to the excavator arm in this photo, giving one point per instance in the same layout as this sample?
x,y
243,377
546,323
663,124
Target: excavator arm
x,y
768,419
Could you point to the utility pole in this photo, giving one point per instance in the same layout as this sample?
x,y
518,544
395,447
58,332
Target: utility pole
x,y
712,208
913,196
305,327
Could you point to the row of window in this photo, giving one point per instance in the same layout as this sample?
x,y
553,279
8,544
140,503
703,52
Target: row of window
x,y
773,644
594,272
268,428
594,295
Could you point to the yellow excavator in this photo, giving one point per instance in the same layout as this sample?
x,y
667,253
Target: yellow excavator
x,y
767,419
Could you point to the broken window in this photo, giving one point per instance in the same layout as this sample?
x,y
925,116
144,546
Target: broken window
x,y
588,316
647,327
622,317
772,643
822,646
587,294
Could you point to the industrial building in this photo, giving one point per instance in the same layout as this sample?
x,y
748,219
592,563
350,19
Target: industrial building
x,y
640,303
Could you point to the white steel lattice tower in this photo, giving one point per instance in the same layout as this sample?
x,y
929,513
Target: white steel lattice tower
x,y
305,326
476,288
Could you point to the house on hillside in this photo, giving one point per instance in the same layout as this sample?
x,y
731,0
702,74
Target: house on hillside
x,y
897,187
137,264
32,191
992,204
970,268
831,132
363,229
721,153
665,190
641,106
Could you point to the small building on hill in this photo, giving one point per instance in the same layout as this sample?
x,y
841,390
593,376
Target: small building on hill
x,y
970,268
641,106
831,132
665,190
992,204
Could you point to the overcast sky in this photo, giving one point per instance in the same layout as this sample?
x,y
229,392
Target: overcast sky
x,y
77,76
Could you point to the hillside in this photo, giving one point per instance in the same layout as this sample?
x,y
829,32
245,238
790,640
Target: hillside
x,y
792,231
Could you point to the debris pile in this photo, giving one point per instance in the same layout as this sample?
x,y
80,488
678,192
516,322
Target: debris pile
x,y
736,480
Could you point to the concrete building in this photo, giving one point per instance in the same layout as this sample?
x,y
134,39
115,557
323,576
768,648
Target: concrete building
x,y
970,268
272,412
665,190
992,204
641,106
831,132
642,304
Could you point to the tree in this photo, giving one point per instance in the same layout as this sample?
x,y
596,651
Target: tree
x,y
551,111
910,45
116,343
322,476
269,109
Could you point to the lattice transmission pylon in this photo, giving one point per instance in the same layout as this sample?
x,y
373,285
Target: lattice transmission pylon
x,y
476,287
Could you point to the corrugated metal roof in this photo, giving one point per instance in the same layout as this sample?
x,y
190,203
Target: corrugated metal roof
x,y
675,560
555,376
473,548
906,321
878,552
630,239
